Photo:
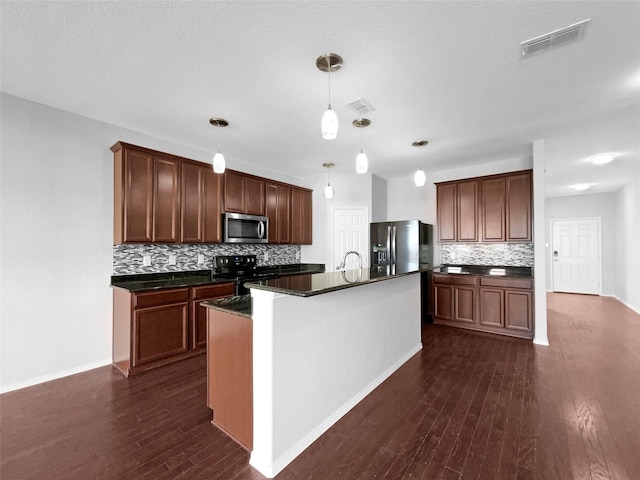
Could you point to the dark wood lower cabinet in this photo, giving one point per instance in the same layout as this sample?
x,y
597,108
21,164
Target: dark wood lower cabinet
x,y
199,313
491,304
230,374
156,327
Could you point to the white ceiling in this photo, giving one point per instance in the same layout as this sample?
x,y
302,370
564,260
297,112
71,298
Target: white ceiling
x,y
446,72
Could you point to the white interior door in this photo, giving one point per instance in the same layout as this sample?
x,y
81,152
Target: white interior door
x,y
575,253
350,232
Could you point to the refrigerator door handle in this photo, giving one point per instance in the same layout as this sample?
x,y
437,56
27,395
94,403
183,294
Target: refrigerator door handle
x,y
393,245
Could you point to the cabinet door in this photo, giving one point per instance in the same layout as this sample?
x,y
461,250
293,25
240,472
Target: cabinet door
x,y
443,302
278,209
518,211
199,313
446,201
234,192
160,332
212,207
467,210
517,305
137,197
192,204
465,304
301,217
254,196
492,307
492,209
166,200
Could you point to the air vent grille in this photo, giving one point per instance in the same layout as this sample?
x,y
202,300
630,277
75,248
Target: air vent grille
x,y
360,106
571,33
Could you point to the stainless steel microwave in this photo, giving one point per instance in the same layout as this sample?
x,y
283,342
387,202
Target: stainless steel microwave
x,y
241,228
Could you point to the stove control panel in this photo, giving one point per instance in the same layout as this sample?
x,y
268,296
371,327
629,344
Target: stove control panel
x,y
234,262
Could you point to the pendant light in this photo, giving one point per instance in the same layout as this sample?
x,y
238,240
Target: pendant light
x,y
362,162
329,62
219,163
328,190
420,178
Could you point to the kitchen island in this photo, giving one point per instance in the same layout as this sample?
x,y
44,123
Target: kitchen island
x,y
309,347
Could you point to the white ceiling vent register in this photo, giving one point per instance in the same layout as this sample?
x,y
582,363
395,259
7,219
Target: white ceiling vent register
x,y
565,35
360,106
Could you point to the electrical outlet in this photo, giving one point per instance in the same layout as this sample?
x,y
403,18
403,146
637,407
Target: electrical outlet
x,y
146,260
200,259
172,259
453,255
266,256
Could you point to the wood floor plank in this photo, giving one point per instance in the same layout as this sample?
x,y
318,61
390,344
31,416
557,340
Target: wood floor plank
x,y
468,406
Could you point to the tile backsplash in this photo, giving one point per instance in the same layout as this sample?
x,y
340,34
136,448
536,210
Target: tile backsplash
x,y
128,259
507,254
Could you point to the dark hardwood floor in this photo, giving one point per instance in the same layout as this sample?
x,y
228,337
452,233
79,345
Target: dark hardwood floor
x,y
469,405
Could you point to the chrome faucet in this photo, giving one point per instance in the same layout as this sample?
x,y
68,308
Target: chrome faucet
x,y
344,259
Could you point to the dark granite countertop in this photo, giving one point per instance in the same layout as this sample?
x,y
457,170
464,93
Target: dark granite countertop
x,y
307,285
154,281
488,270
239,305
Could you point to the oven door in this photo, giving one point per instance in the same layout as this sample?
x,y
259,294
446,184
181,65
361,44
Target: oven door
x,y
241,228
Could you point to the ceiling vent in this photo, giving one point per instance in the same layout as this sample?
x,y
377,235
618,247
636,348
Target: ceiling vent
x,y
360,106
556,38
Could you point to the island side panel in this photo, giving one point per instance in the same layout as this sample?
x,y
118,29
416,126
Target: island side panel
x,y
230,374
316,357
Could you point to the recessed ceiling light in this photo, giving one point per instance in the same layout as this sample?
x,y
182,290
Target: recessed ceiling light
x,y
581,186
602,158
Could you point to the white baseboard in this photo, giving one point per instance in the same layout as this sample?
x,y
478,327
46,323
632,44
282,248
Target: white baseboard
x,y
271,471
632,307
54,376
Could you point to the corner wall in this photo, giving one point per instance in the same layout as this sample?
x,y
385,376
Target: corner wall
x,y
627,244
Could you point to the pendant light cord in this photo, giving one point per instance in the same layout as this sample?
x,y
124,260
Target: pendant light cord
x,y
329,84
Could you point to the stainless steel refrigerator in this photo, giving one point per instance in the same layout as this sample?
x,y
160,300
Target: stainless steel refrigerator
x,y
398,247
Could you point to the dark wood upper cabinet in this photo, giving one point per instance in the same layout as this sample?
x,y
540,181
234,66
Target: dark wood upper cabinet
x,y
278,209
166,200
162,198
301,216
495,208
133,210
518,207
467,211
492,209
244,193
146,196
201,205
446,200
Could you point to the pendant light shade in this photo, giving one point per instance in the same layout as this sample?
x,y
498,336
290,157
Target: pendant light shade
x,y
329,62
329,124
219,163
419,178
362,161
328,190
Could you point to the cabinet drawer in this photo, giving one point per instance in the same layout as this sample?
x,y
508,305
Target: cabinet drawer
x,y
506,282
455,279
212,291
160,297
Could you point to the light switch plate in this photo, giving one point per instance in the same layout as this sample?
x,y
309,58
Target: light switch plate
x,y
146,260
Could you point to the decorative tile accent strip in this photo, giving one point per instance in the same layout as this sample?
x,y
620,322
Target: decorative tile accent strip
x,y
507,254
128,259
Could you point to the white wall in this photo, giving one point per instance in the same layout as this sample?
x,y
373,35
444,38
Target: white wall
x,y
627,245
349,190
56,237
583,206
